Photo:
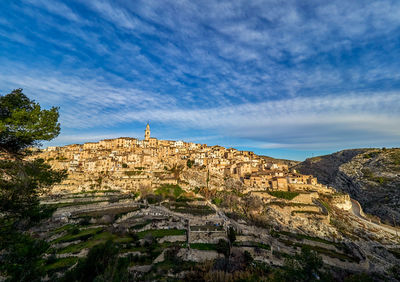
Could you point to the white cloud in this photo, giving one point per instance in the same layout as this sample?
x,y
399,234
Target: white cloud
x,y
92,103
269,71
56,7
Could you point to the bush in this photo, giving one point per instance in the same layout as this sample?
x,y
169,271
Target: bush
x,y
371,155
217,201
189,163
21,257
134,236
395,157
101,264
171,255
223,247
52,258
231,234
135,195
74,231
247,258
153,199
367,173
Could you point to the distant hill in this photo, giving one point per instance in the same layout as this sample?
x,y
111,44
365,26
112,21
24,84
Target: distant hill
x,y
371,176
289,163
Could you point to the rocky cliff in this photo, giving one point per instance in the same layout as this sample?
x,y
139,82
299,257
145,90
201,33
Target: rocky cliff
x,y
371,176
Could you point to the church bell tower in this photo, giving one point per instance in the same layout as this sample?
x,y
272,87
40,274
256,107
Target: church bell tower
x,y
147,132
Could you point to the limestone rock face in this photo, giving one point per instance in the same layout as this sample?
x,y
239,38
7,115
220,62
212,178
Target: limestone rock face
x,y
343,202
371,176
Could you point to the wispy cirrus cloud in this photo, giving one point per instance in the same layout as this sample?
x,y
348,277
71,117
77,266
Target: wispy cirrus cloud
x,y
276,74
300,121
56,7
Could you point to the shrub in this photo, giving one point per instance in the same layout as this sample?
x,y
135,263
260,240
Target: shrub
x,y
134,236
395,157
171,255
370,176
153,199
223,247
217,201
52,258
21,257
247,258
367,173
231,234
101,264
371,155
189,163
74,231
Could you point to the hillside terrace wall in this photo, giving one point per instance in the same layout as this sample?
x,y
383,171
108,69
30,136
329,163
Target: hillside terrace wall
x,y
207,236
309,187
305,208
305,198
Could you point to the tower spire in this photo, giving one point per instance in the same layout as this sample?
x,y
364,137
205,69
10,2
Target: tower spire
x,y
147,132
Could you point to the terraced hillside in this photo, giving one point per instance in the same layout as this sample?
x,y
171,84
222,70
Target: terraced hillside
x,y
173,233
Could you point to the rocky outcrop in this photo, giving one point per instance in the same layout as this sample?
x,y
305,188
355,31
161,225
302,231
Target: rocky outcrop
x,y
326,168
371,176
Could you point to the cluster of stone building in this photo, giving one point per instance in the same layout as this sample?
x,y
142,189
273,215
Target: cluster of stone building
x,y
133,161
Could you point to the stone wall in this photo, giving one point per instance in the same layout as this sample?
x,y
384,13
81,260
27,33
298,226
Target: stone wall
x,y
309,187
207,237
305,198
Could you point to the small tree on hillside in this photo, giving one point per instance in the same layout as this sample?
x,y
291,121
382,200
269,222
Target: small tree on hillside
x,y
231,234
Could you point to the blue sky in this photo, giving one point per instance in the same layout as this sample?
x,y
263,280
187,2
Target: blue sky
x,y
289,79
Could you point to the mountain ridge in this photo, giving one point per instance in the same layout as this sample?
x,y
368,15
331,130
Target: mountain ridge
x,y
369,175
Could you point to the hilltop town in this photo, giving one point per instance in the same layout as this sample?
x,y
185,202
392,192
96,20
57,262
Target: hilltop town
x,y
127,163
152,197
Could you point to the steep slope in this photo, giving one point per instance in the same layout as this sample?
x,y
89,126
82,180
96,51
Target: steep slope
x,y
371,176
